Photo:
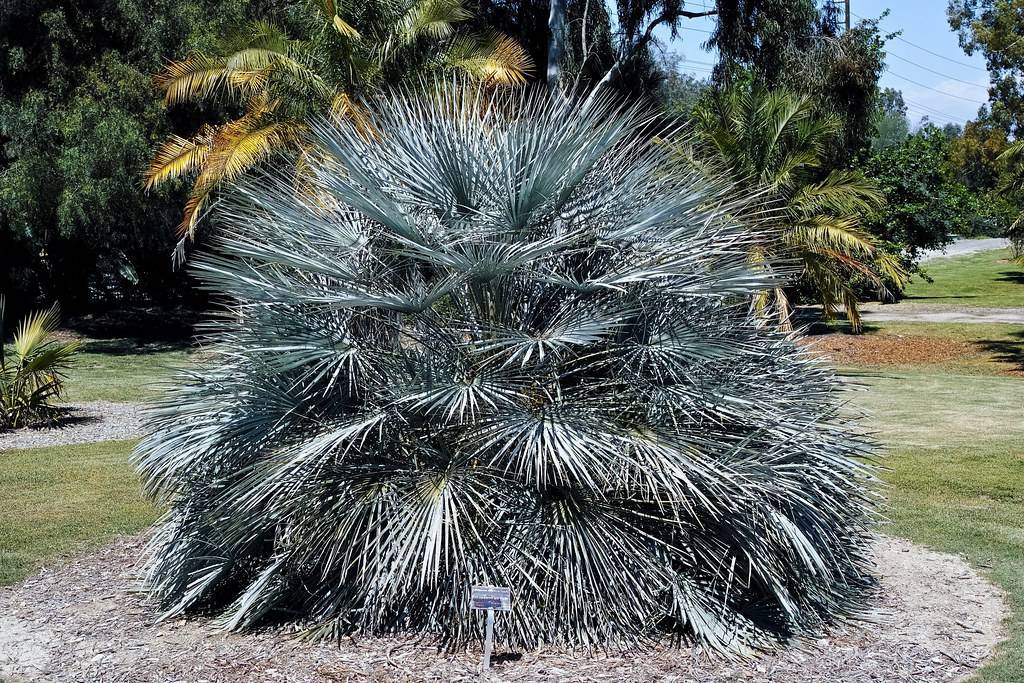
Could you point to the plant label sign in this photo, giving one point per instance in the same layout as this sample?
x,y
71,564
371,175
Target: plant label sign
x,y
490,597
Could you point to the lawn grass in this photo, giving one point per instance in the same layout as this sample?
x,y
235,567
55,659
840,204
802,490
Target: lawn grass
x,y
56,502
988,278
955,471
121,369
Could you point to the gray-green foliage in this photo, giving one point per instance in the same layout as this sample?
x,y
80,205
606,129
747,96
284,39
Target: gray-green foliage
x,y
503,342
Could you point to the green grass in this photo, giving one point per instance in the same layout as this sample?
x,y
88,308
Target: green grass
x,y
56,502
956,476
988,278
120,370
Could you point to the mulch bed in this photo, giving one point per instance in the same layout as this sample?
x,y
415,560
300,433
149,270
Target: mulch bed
x,y
849,349
934,620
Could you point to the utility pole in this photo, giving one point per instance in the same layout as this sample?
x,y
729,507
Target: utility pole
x,y
847,15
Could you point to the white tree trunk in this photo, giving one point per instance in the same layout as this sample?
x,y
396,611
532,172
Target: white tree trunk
x,y
556,41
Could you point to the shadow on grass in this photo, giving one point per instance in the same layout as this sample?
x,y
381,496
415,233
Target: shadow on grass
x,y
133,347
1015,276
1006,350
144,325
810,321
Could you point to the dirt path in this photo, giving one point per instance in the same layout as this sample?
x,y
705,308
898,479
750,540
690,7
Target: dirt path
x,y
934,620
939,313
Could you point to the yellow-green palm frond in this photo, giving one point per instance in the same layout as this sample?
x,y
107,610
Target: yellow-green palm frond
x,y
241,144
1014,152
178,157
493,58
193,211
235,148
332,13
830,235
344,108
842,193
266,35
33,330
431,18
891,269
345,29
251,70
196,77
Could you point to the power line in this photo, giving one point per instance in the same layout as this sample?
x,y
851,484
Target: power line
x,y
924,109
920,113
932,52
941,56
928,87
939,73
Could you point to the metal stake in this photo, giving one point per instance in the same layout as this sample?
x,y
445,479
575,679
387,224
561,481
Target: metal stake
x,y
488,639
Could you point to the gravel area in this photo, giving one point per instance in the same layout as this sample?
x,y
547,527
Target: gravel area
x,y
85,423
935,620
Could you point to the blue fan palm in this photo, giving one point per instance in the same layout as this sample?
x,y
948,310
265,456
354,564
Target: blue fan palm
x,y
508,342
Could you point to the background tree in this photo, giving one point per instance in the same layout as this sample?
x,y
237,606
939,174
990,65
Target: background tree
x,y
995,27
764,36
679,92
280,83
923,205
975,153
78,120
776,142
841,75
891,124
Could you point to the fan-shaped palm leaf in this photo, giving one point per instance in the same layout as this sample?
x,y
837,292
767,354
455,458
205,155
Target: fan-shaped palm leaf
x,y
32,376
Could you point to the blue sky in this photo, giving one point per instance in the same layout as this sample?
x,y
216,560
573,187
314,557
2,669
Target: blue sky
x,y
937,79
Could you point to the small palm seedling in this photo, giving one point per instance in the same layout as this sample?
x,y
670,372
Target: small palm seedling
x,y
506,342
32,369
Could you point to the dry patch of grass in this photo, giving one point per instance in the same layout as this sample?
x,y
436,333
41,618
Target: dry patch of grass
x,y
967,349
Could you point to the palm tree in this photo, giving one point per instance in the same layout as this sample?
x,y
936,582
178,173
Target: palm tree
x,y
777,141
502,343
1014,156
32,370
282,83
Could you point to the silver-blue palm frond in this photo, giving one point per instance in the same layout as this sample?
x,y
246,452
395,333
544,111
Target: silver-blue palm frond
x,y
503,339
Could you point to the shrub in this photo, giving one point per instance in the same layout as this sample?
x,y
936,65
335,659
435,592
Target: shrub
x,y
505,342
32,369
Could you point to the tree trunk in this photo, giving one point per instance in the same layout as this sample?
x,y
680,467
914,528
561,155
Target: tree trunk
x,y
556,41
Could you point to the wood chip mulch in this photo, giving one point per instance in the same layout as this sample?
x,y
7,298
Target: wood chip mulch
x,y
935,620
905,350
